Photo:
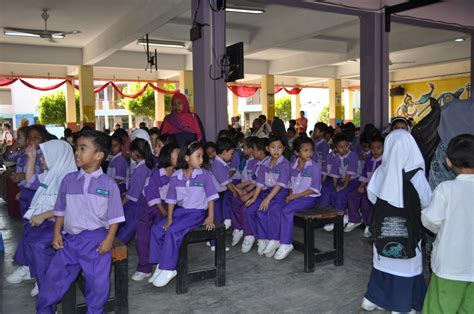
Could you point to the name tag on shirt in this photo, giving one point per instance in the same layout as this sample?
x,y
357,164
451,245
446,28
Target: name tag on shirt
x,y
306,174
102,192
198,184
277,171
44,186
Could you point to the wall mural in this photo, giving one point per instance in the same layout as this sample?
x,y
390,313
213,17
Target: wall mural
x,y
415,102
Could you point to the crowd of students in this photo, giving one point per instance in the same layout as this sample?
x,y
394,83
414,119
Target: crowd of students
x,y
79,193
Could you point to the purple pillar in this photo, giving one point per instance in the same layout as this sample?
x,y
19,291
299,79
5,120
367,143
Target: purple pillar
x,y
374,77
472,65
210,94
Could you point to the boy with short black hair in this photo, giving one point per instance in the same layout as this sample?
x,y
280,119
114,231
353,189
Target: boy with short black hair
x,y
450,216
88,209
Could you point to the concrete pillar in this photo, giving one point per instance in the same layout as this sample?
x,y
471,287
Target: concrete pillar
x,y
295,106
374,76
235,107
186,86
210,98
87,96
335,105
159,105
106,107
130,122
71,118
267,91
349,107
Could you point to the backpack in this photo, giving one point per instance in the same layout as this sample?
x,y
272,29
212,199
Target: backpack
x,y
397,231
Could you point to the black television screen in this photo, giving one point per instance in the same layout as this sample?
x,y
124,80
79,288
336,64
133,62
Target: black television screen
x,y
235,57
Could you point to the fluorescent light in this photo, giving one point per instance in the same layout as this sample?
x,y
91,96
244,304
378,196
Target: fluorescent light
x,y
161,43
245,10
14,33
459,40
352,60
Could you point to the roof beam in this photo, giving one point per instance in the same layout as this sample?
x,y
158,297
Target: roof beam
x,y
135,24
40,54
304,61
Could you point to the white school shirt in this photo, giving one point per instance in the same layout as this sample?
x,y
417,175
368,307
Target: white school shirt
x,y
451,215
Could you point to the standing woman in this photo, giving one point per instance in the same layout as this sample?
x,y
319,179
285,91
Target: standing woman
x,y
397,284
183,124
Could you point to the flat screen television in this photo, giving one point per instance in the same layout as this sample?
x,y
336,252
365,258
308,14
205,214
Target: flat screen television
x,y
235,59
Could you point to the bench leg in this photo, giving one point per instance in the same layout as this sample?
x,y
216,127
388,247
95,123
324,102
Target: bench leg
x,y
220,258
182,269
69,301
339,241
308,246
121,286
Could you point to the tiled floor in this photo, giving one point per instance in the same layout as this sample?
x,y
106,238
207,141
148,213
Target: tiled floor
x,y
254,283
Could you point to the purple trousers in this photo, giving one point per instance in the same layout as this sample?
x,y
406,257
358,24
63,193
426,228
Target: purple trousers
x,y
358,200
131,211
223,206
265,225
331,197
164,246
146,217
239,216
326,190
37,242
21,256
287,213
79,254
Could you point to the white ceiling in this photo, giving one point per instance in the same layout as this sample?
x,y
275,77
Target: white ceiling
x,y
295,44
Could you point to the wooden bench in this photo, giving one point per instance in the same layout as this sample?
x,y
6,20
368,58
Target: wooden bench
x,y
117,303
310,220
184,276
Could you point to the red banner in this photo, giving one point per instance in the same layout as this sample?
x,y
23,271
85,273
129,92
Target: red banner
x,y
42,88
6,82
293,91
163,91
243,91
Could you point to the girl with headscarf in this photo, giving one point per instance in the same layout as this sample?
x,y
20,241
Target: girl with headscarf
x,y
182,123
397,284
57,160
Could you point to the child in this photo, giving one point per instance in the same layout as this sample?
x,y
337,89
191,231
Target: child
x,y
362,150
248,185
155,193
35,135
223,181
238,209
264,209
57,160
321,146
305,188
134,201
342,168
88,210
358,198
291,134
118,166
397,284
450,216
399,123
210,150
192,191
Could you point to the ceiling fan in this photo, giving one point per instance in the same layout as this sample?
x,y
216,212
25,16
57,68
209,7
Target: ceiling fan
x,y
39,33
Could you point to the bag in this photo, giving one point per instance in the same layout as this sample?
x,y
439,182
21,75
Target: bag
x,y
397,231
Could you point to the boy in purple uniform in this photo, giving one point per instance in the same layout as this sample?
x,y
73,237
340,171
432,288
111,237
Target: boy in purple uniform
x,y
118,166
358,197
219,170
342,169
305,187
321,147
249,184
264,209
190,199
238,207
88,210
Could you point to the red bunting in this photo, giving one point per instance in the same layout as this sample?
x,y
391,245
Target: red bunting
x,y
6,82
293,91
243,91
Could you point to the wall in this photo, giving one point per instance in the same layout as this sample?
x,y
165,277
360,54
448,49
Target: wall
x,y
415,101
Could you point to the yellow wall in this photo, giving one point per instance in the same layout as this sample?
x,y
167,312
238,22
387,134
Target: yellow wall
x,y
416,100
